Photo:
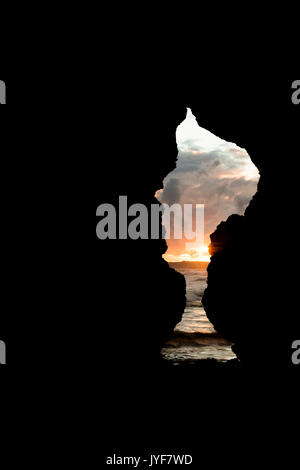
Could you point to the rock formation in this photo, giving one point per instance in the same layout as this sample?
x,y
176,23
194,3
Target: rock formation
x,y
141,297
251,286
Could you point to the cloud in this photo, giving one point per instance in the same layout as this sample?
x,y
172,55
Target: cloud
x,y
222,177
171,193
241,202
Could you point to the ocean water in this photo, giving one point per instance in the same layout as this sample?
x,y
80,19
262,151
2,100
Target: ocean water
x,y
194,337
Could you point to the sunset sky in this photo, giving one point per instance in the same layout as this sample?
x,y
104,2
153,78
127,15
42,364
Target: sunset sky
x,y
212,172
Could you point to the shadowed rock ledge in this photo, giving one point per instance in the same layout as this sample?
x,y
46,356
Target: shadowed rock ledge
x,y
142,298
251,294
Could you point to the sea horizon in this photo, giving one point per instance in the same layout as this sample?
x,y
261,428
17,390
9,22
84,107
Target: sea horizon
x,y
194,337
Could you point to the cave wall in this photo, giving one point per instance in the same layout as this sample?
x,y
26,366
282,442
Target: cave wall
x,y
142,298
251,288
251,294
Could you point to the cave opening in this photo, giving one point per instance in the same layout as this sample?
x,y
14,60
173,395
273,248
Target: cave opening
x,y
221,176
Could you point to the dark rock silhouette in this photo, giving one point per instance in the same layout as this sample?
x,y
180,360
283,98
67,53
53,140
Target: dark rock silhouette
x,y
249,298
252,286
142,298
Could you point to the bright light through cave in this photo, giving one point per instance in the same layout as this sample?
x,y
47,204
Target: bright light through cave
x,y
212,172
221,176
